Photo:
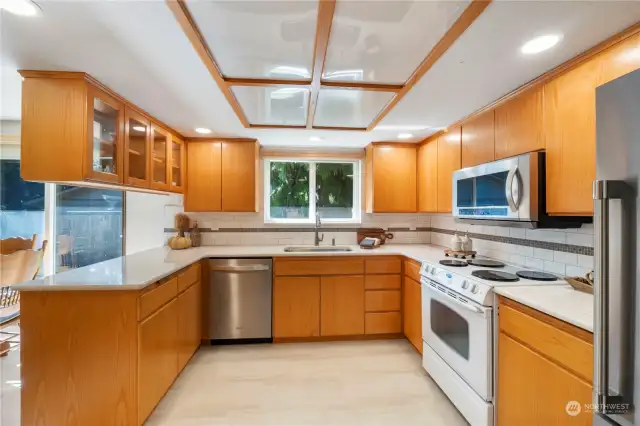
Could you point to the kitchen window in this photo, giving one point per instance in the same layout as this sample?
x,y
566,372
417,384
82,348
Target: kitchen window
x,y
295,189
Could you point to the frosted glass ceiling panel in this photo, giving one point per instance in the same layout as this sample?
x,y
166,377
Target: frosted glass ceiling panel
x,y
259,39
273,105
385,41
349,107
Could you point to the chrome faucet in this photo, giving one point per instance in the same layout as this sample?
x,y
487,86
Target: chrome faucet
x,y
318,239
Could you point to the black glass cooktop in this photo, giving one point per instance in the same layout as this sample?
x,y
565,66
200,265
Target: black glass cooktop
x,y
486,262
453,262
536,276
488,274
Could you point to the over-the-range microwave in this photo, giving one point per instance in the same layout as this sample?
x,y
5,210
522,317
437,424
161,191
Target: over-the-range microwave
x,y
509,192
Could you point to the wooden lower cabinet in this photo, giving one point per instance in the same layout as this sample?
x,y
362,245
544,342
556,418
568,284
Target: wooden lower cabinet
x,y
157,357
189,323
342,305
412,312
296,307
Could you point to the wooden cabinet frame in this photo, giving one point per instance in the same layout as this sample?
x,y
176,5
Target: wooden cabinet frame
x,y
162,186
141,183
90,174
183,165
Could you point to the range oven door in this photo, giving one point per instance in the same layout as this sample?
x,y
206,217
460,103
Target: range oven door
x,y
500,190
459,331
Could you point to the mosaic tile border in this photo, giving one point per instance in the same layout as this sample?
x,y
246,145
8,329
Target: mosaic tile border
x,y
567,248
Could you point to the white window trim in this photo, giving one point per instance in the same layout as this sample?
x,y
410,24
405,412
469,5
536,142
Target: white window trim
x,y
357,188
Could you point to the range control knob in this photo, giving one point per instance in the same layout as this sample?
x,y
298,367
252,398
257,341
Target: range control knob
x,y
433,270
465,284
474,288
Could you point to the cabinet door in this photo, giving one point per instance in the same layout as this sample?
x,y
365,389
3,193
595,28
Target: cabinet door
x,y
296,307
519,125
239,164
157,357
178,164
534,391
105,119
394,179
428,177
204,163
137,134
412,312
160,155
342,305
478,140
189,322
570,136
448,162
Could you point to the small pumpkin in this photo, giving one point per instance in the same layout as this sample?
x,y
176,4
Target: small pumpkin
x,y
179,243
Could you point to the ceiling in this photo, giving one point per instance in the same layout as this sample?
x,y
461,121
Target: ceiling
x,y
140,51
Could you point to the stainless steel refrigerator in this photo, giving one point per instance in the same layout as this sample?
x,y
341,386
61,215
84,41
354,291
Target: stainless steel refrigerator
x,y
616,381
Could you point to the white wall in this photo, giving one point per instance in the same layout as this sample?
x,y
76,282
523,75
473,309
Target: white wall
x,y
146,215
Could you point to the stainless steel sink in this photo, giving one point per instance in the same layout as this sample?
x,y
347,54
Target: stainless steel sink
x,y
315,249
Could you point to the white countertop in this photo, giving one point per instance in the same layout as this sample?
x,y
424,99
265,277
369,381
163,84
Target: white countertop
x,y
562,302
136,271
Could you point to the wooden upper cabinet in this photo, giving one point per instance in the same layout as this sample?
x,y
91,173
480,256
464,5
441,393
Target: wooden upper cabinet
x,y
204,177
448,162
478,137
519,126
239,170
178,167
390,180
428,177
137,149
570,136
619,60
160,156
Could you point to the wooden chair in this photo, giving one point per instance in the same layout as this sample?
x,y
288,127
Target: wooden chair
x,y
13,244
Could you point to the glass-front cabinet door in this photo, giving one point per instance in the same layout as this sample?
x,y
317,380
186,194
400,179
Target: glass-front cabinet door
x,y
178,161
160,156
137,134
105,123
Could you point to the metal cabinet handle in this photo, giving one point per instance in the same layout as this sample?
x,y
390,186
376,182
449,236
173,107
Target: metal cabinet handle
x,y
513,198
603,192
245,268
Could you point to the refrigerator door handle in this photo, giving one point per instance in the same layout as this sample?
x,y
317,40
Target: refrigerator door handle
x,y
603,192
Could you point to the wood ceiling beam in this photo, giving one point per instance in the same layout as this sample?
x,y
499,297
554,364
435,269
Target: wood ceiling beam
x,y
264,82
190,29
276,126
376,87
326,9
470,14
354,129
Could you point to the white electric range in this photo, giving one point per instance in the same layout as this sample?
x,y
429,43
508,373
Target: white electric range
x,y
458,328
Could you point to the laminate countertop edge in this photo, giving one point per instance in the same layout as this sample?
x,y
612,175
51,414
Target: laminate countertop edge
x,y
139,270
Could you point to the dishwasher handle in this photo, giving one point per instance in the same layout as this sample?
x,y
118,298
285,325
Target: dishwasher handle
x,y
242,268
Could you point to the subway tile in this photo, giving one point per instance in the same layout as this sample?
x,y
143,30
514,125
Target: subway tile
x,y
524,250
566,258
518,233
585,261
556,268
576,271
502,231
534,263
546,235
517,259
544,254
580,239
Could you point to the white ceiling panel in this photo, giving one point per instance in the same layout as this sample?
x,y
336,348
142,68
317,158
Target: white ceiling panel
x,y
385,41
259,39
485,63
273,105
349,107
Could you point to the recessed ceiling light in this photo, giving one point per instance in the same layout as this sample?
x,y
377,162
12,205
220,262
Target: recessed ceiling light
x,y
315,139
139,128
540,44
203,130
20,7
405,135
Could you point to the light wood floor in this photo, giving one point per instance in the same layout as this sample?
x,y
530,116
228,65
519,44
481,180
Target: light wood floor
x,y
339,383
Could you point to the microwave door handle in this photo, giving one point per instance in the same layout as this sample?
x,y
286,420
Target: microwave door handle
x,y
603,192
513,194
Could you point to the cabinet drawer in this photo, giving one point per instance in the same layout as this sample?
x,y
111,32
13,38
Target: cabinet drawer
x,y
382,300
154,298
382,323
383,265
327,266
380,282
412,269
189,276
565,344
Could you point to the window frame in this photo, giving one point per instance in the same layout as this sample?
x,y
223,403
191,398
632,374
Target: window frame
x,y
356,218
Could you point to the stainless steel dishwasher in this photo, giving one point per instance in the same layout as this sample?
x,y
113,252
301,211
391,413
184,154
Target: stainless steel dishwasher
x,y
240,293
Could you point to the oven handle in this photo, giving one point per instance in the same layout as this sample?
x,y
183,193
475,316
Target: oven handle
x,y
469,307
513,199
